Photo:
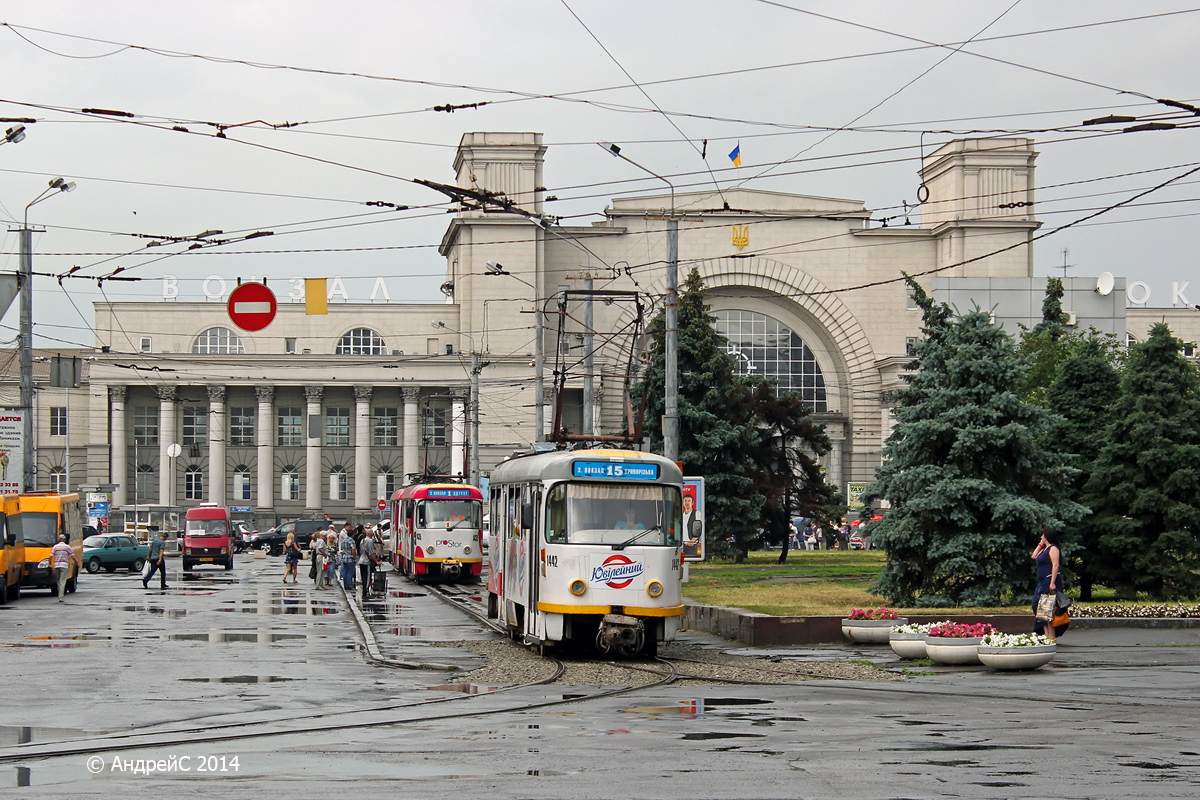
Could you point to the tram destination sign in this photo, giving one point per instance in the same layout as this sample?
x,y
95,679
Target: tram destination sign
x,y
448,493
615,470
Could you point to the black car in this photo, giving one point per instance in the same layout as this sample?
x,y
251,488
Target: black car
x,y
273,540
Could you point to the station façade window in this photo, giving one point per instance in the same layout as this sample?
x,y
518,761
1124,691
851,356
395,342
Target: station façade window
x,y
764,346
361,342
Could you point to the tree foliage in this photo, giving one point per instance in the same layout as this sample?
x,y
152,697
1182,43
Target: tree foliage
x,y
730,429
1145,485
1082,397
968,481
1046,345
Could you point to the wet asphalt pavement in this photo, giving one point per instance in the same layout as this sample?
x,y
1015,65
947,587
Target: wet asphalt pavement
x,y
282,674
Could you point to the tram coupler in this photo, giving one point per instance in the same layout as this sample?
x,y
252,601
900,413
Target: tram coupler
x,y
451,568
619,632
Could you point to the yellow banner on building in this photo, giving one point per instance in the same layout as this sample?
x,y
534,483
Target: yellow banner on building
x,y
316,301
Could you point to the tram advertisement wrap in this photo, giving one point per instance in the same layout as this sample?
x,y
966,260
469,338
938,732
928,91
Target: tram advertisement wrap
x,y
12,452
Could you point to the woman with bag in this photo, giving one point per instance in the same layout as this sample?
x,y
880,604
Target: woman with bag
x,y
1048,558
291,557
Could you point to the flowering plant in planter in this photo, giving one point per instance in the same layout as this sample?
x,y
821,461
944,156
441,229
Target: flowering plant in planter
x,y
1015,640
873,613
917,627
961,630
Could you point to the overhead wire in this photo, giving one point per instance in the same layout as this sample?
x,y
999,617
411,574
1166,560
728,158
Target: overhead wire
x,y
575,95
954,50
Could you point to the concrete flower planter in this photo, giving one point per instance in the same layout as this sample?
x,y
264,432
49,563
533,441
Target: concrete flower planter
x,y
908,645
953,650
1015,658
870,631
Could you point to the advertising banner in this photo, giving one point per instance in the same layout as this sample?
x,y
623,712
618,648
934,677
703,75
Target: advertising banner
x,y
854,493
693,519
12,453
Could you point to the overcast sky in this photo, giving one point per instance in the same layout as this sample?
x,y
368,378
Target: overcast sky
x,y
730,71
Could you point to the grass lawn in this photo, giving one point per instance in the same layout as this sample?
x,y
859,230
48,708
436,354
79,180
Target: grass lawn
x,y
812,582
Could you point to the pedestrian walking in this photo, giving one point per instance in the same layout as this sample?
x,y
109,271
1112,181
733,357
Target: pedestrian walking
x,y
61,555
291,557
158,561
331,557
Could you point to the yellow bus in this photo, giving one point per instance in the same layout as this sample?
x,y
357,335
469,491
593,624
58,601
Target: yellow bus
x,y
40,517
12,551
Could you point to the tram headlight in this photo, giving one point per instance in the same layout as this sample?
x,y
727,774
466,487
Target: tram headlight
x,y
429,549
654,588
578,587
467,550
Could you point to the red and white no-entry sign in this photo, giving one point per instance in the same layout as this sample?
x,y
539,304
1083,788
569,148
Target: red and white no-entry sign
x,y
252,306
383,505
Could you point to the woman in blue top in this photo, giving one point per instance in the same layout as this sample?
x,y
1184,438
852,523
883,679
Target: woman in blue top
x,y
1048,558
291,557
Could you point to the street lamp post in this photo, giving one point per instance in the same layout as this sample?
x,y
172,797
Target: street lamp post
x,y
473,448
56,186
671,327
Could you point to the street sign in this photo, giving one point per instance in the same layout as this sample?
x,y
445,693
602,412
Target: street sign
x,y
252,306
383,505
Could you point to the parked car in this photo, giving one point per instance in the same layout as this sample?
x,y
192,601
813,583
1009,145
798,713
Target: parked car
x,y
110,551
242,535
273,540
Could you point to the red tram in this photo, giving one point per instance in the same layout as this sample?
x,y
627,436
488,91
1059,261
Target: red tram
x,y
437,531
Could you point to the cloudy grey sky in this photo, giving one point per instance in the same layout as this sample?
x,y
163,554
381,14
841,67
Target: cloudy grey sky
x,y
831,105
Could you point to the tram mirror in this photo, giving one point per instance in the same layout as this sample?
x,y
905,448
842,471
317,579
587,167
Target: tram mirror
x,y
527,516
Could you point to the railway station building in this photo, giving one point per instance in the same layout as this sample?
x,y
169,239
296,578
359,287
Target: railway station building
x,y
329,413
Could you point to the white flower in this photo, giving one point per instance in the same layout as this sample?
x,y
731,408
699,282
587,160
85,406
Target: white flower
x,y
1014,640
916,627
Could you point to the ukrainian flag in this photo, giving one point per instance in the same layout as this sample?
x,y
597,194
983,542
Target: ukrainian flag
x,y
736,155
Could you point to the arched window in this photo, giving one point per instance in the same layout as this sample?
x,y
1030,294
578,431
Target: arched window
x,y
764,346
338,482
385,483
289,484
218,341
58,479
193,483
145,485
241,482
361,342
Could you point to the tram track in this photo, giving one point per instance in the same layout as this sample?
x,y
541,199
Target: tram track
x,y
330,721
134,740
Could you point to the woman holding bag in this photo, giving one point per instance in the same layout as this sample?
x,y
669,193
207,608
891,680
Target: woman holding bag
x,y
291,557
1048,557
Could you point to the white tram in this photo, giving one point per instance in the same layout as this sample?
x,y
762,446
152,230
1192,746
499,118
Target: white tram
x,y
586,545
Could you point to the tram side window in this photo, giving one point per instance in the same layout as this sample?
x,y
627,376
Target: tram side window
x,y
421,516
556,515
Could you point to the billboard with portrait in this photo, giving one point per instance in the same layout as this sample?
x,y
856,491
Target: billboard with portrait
x,y
693,519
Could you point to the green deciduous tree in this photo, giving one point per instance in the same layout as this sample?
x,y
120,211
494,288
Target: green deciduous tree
x,y
787,465
1145,486
969,484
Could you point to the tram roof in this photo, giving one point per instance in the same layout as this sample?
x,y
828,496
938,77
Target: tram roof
x,y
559,464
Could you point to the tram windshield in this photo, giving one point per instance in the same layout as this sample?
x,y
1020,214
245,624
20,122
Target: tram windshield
x,y
614,514
207,527
452,513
